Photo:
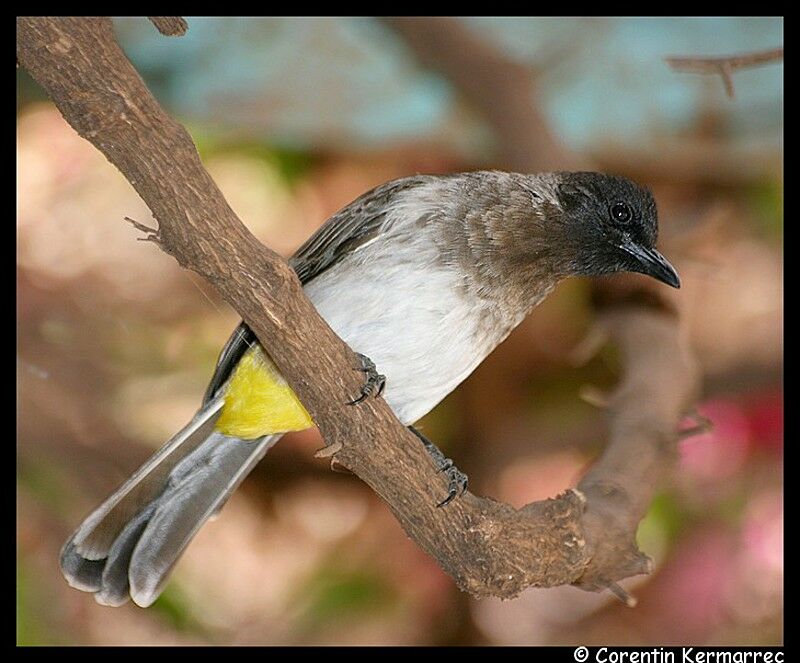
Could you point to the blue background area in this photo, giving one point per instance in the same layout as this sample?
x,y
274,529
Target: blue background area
x,y
331,82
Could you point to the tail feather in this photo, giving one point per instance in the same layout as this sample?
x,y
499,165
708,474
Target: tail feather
x,y
81,573
130,543
93,539
197,489
115,583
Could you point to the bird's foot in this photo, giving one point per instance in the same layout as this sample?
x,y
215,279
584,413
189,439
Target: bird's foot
x,y
457,481
375,381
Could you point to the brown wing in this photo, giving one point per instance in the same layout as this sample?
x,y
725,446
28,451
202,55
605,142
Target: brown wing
x,y
348,229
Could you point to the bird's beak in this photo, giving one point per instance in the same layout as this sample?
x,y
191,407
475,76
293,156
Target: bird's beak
x,y
652,263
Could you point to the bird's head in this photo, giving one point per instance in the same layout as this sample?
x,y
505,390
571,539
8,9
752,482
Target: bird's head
x,y
609,224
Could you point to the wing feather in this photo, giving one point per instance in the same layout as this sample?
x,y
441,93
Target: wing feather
x,y
347,230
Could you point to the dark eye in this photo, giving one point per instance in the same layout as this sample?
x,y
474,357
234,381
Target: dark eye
x,y
621,213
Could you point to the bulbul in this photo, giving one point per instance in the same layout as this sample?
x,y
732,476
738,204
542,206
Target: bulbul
x,y
423,277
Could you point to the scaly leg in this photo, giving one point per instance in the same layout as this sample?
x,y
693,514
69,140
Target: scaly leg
x,y
458,481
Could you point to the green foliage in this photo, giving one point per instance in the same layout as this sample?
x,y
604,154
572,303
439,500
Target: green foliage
x,y
28,629
291,164
173,608
28,90
48,485
766,201
335,594
666,515
31,627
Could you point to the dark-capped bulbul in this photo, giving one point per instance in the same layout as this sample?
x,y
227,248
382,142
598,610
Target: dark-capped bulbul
x,y
423,277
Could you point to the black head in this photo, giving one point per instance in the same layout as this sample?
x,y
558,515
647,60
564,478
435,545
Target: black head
x,y
611,225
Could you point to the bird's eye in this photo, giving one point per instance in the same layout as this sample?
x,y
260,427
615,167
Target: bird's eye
x,y
621,213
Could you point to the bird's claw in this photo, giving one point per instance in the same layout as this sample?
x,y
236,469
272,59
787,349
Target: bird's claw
x,y
447,463
457,485
374,379
457,481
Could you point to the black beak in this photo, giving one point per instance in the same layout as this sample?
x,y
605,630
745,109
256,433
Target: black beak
x,y
652,263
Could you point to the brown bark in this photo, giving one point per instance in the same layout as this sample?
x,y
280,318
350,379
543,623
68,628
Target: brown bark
x,y
489,548
171,26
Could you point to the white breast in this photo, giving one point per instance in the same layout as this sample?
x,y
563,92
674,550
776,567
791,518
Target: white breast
x,y
414,323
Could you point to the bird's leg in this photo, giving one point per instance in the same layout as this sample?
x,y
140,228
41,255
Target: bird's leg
x,y
457,480
374,379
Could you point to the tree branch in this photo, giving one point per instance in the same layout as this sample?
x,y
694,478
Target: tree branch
x,y
724,66
489,548
171,26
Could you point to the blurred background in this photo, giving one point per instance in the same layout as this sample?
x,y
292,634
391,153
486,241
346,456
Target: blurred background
x,y
295,117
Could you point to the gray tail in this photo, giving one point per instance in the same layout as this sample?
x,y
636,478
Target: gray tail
x,y
127,547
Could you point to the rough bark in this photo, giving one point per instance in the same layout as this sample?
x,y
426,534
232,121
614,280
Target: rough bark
x,y
489,548
171,26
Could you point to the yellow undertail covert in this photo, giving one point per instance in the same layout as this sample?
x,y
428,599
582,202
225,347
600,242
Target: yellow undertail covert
x,y
258,401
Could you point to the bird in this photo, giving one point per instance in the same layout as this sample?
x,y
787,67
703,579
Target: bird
x,y
422,277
